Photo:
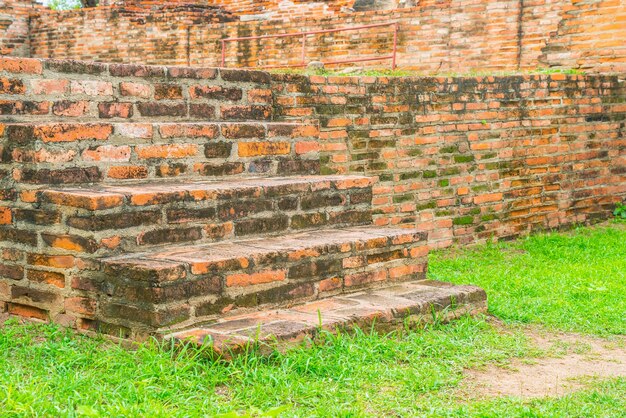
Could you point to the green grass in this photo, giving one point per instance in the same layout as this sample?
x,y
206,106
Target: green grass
x,y
381,72
46,371
571,281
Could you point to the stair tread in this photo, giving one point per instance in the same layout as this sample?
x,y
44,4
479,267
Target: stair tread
x,y
386,305
228,250
105,196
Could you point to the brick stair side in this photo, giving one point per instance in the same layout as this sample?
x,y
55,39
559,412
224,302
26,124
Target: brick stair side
x,y
141,199
184,286
107,220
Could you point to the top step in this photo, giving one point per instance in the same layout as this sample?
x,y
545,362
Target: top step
x,y
86,91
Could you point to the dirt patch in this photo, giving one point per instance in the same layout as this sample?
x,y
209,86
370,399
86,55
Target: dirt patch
x,y
571,361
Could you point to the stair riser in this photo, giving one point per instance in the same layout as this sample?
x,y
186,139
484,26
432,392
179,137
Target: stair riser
x,y
177,218
139,299
73,154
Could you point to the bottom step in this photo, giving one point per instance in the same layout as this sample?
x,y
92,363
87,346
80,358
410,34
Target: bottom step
x,y
418,301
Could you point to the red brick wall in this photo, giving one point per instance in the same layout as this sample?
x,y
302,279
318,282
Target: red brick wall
x,y
14,26
471,158
436,36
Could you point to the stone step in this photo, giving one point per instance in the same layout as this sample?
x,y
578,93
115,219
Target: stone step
x,y
184,285
110,219
75,153
385,308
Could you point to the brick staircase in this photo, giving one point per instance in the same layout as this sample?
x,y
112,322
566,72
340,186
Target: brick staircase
x,y
196,229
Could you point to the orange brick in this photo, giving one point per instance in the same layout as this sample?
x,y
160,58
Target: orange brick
x,y
242,280
85,200
63,132
254,149
306,147
189,130
28,311
328,285
5,216
486,198
20,65
128,172
166,151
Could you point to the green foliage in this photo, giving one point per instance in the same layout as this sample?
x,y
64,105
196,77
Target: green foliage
x,y
620,211
64,4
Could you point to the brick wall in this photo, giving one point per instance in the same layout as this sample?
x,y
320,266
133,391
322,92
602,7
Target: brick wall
x,y
471,158
14,26
436,36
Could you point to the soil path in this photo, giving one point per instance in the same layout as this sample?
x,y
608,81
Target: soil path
x,y
571,361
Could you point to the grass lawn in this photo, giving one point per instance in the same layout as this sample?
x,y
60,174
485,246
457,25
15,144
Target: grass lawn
x,y
569,282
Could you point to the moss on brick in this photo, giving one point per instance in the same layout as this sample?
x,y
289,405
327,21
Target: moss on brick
x,y
403,198
463,158
463,220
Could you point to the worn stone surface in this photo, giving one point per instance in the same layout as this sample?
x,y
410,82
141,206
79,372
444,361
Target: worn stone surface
x,y
387,307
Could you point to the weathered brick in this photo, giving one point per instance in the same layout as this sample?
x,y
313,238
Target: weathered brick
x,y
202,111
65,132
239,131
11,86
134,70
81,305
91,87
114,221
171,235
254,149
215,92
162,109
64,176
242,280
167,91
6,216
208,131
49,86
70,242
107,153
57,261
70,108
21,65
251,112
166,151
135,89
11,271
128,172
217,149
10,107
48,277
115,110
219,169
261,225
28,311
